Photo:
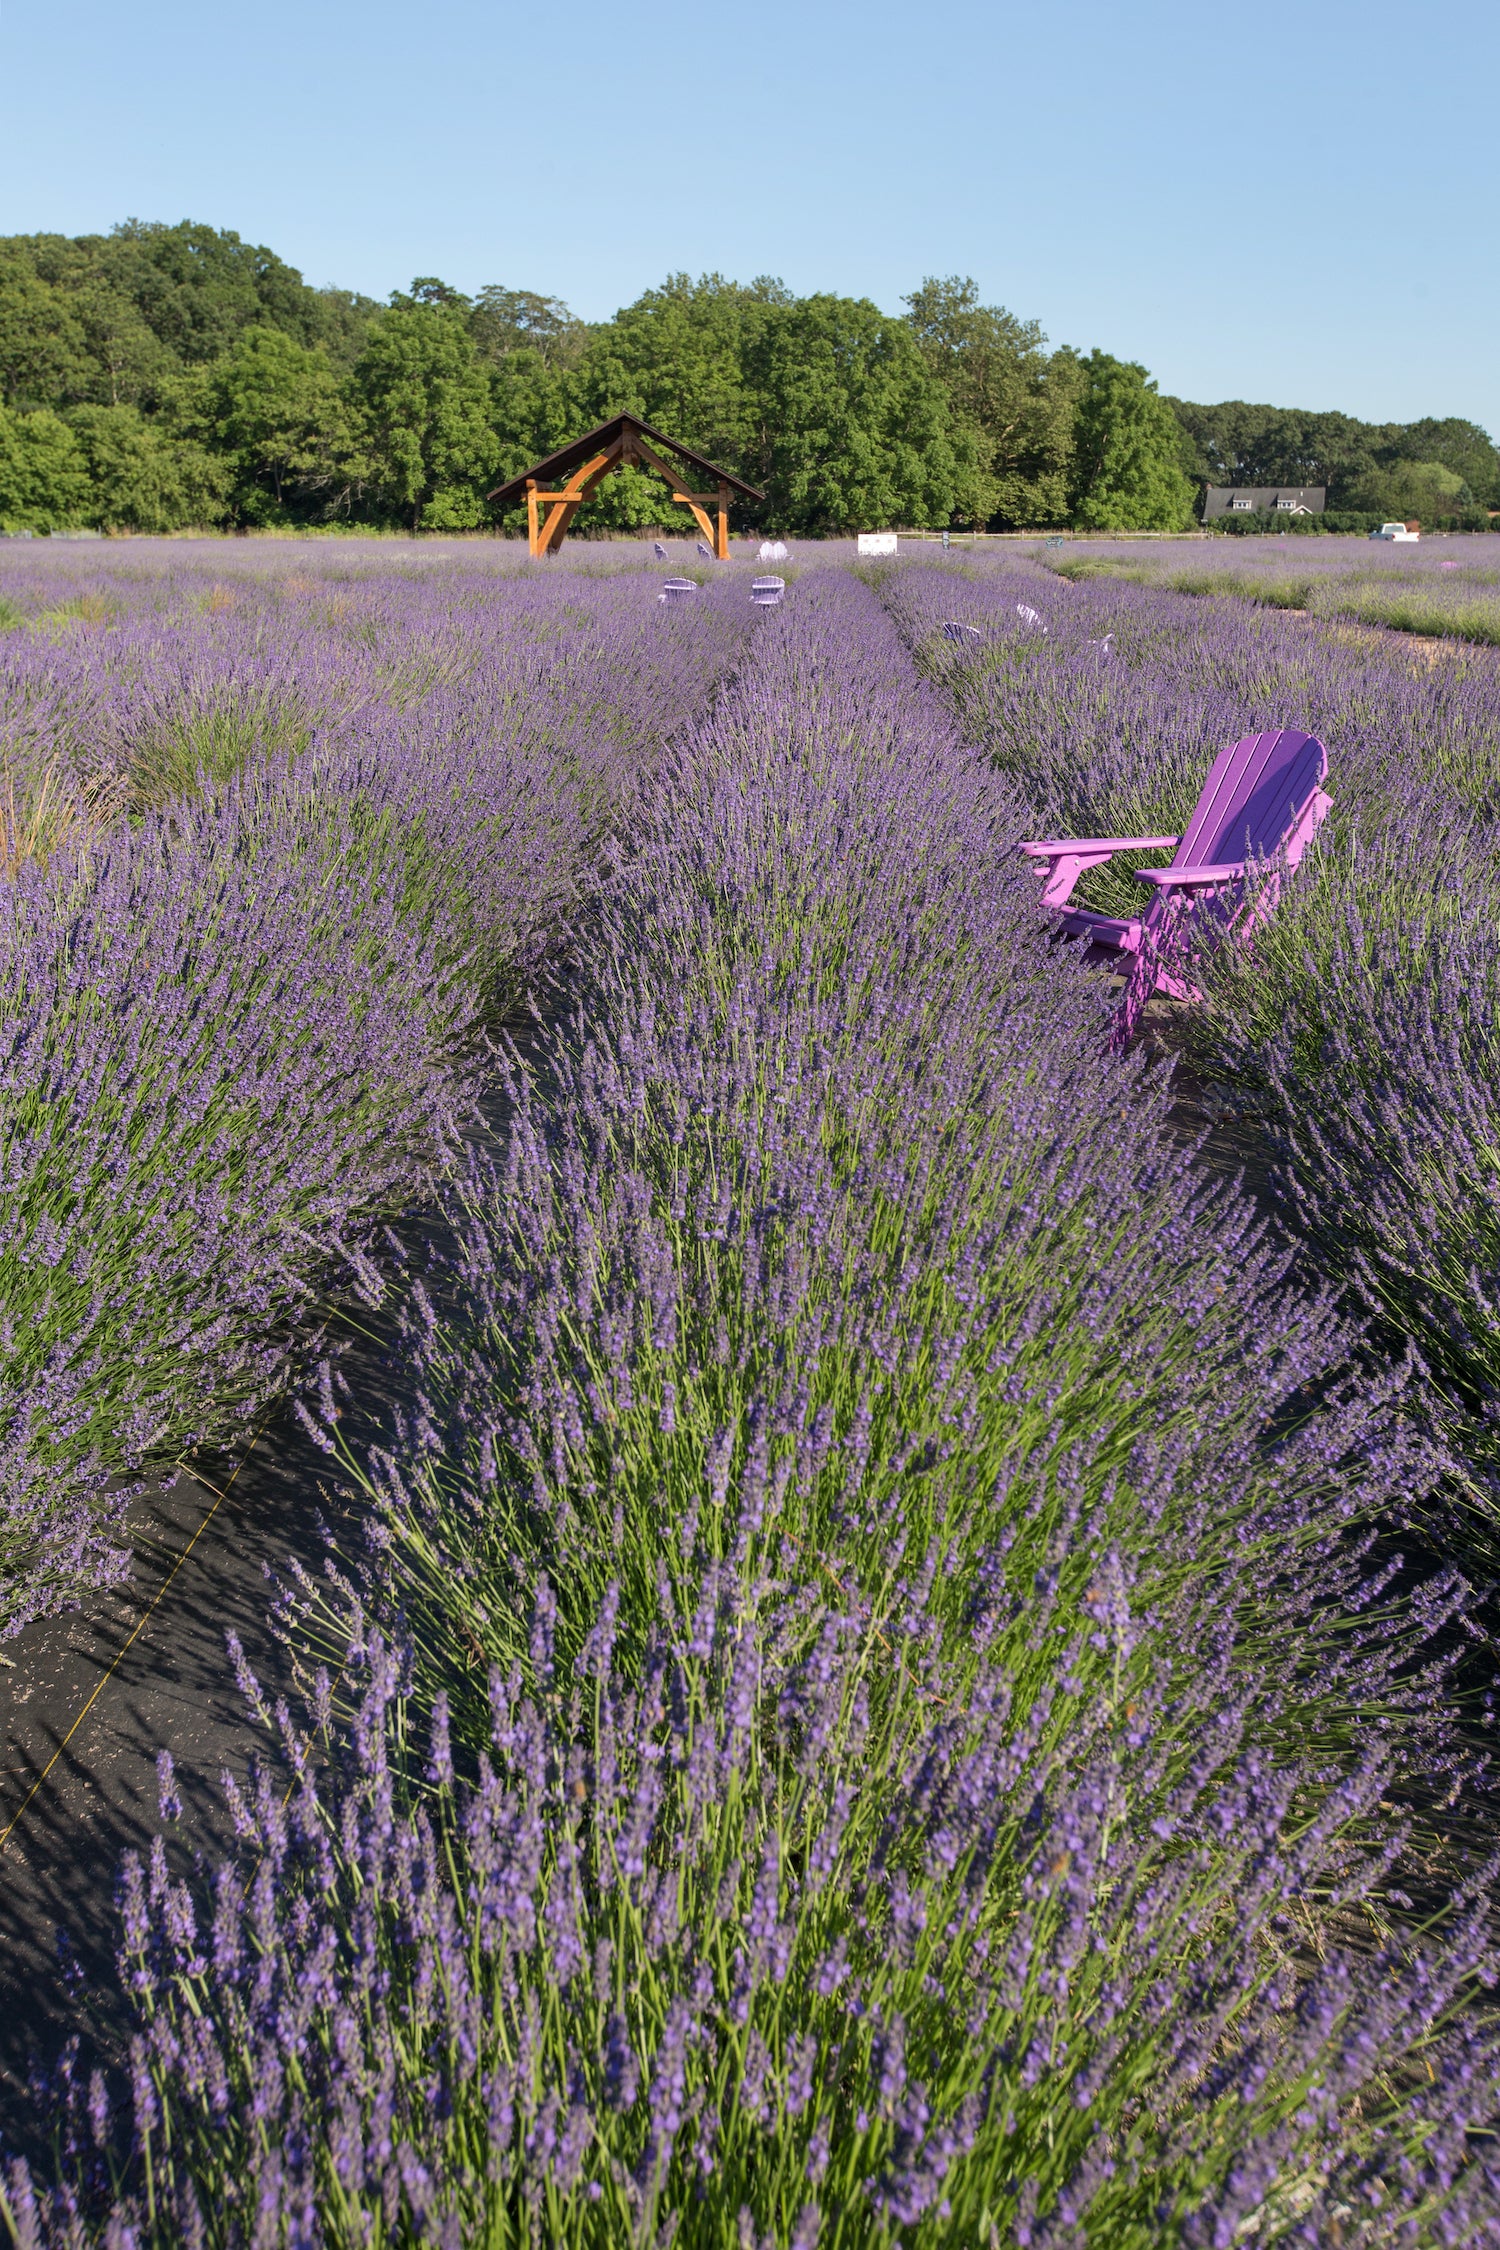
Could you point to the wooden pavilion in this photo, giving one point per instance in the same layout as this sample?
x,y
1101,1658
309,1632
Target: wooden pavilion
x,y
589,460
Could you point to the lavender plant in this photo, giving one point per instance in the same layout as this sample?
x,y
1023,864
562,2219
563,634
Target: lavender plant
x,y
902,1734
242,1030
1389,1149
705,1952
1445,590
876,1710
1356,1025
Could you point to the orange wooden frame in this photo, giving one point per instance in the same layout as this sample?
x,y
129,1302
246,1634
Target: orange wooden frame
x,y
547,530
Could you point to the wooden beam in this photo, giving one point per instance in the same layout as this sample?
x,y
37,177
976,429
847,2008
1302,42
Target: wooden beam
x,y
559,517
650,459
721,544
699,502
531,523
596,475
566,504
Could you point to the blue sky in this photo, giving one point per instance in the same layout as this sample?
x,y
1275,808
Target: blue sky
x,y
1295,203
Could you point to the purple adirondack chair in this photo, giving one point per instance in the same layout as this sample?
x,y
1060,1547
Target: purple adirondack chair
x,y
1261,805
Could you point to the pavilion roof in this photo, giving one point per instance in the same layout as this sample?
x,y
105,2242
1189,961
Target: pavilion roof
x,y
580,449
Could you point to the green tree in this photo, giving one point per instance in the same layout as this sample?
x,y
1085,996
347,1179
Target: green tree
x,y
1462,447
1424,489
198,287
1239,443
529,343
424,401
853,428
531,413
44,481
677,357
1127,470
505,321
133,308
43,353
428,289
1016,404
342,320
277,413
142,479
128,364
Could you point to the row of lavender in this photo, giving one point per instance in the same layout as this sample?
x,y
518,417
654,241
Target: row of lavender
x,y
1362,1034
876,1715
1448,588
307,842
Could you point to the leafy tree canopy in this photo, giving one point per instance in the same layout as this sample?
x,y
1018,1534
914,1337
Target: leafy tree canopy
x,y
1424,489
141,477
1127,469
503,321
186,376
1461,446
279,416
1236,443
1015,405
853,426
423,402
44,481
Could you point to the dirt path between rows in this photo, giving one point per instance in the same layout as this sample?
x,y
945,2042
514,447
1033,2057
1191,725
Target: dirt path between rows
x,y
97,1693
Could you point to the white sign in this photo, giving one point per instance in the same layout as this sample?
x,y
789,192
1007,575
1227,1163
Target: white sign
x,y
877,542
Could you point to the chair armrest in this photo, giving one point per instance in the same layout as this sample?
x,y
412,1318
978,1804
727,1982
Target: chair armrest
x,y
1101,844
1165,877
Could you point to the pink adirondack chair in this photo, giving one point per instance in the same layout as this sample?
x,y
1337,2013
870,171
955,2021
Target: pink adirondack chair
x,y
1260,807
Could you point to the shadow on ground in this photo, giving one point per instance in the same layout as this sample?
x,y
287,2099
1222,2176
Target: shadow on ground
x,y
79,1781
96,1694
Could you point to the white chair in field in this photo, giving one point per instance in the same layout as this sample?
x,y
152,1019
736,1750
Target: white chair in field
x,y
677,589
767,592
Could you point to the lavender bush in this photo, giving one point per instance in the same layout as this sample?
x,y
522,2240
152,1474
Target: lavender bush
x,y
710,1952
242,1028
1389,1149
903,1731
1445,589
1358,1026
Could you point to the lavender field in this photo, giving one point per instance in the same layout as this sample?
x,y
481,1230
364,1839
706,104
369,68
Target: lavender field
x,y
1447,587
922,1662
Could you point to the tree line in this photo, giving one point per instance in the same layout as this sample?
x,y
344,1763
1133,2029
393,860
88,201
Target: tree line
x,y
161,377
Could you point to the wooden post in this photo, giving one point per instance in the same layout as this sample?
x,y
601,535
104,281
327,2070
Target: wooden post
x,y
721,544
531,525
563,506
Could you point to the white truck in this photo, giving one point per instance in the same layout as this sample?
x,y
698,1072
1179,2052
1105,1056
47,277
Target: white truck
x,y
1398,531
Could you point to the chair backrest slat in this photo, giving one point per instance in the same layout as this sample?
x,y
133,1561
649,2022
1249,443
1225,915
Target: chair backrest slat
x,y
1254,791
